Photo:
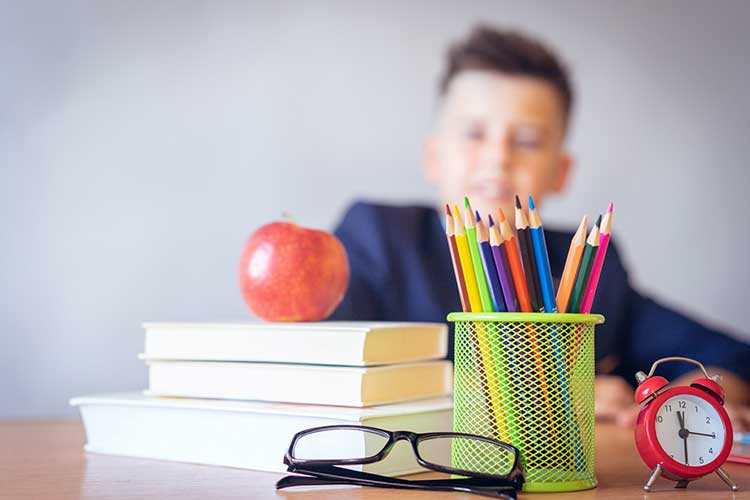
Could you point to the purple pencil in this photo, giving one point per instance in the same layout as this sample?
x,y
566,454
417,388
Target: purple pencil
x,y
503,267
488,262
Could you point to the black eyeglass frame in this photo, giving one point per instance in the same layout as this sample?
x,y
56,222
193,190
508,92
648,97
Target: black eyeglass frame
x,y
321,475
414,439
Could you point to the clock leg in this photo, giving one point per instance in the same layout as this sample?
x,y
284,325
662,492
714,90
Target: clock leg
x,y
652,478
725,477
682,483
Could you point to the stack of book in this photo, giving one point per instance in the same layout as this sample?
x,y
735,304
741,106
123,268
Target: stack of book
x,y
235,394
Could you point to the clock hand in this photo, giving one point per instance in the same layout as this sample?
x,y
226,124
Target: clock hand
x,y
701,434
683,433
684,440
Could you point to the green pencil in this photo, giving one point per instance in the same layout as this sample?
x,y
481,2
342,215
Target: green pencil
x,y
476,258
587,262
507,425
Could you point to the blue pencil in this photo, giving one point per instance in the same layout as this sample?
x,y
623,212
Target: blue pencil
x,y
550,306
488,262
542,259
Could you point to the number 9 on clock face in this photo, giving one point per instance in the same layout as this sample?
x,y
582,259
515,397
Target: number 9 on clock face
x,y
690,430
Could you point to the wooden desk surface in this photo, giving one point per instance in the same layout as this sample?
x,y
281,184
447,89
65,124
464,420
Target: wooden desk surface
x,y
45,460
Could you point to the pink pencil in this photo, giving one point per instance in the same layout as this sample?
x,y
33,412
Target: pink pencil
x,y
596,269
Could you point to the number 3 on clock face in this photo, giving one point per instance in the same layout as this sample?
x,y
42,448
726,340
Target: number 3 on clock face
x,y
690,430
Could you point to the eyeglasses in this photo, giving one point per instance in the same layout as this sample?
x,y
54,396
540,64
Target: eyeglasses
x,y
490,467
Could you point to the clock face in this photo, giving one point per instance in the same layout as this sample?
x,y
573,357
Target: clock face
x,y
690,430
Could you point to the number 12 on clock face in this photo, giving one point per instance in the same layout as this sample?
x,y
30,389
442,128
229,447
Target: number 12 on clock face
x,y
689,430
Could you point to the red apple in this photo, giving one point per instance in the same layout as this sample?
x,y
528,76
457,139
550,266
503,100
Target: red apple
x,y
292,273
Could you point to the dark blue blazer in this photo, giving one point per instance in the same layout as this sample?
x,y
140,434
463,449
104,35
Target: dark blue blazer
x,y
401,271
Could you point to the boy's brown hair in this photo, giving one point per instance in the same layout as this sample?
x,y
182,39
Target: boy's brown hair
x,y
510,53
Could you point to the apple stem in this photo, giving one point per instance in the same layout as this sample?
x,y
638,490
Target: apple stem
x,y
288,216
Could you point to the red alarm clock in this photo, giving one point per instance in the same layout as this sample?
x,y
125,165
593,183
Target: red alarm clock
x,y
682,433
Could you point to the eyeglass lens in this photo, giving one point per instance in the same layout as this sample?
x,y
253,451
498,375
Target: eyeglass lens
x,y
339,444
467,454
460,453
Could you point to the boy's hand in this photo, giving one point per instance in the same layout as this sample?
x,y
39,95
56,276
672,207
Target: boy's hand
x,y
614,400
740,417
735,395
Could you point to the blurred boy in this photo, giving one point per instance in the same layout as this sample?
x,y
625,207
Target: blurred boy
x,y
505,107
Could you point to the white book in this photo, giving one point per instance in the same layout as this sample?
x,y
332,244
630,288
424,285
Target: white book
x,y
353,343
248,435
313,384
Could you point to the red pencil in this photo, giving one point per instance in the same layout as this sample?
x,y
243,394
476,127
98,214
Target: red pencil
x,y
460,282
516,270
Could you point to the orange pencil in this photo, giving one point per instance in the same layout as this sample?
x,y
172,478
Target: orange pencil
x,y
524,302
572,262
516,270
460,282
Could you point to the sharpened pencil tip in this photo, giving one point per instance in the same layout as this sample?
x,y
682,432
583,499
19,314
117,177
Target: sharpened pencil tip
x,y
518,202
610,207
598,221
455,210
466,202
501,214
447,209
491,222
478,217
531,203
583,225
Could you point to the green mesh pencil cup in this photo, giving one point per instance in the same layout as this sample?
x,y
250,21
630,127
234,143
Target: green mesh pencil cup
x,y
528,380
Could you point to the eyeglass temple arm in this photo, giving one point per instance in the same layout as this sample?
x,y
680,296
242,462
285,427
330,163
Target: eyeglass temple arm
x,y
332,474
290,481
502,492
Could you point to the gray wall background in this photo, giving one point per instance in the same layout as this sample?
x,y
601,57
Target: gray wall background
x,y
141,143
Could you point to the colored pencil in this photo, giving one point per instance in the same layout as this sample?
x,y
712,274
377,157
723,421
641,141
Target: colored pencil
x,y
467,267
488,371
514,260
488,263
556,342
456,260
498,404
479,346
542,259
584,270
500,255
512,357
572,262
522,294
504,363
596,268
476,259
527,255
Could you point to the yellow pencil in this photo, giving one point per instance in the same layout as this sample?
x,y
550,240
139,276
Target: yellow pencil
x,y
487,367
467,267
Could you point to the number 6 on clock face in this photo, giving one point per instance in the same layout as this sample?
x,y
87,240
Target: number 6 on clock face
x,y
689,430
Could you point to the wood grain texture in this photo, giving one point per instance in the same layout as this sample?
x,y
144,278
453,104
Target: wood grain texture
x,y
45,460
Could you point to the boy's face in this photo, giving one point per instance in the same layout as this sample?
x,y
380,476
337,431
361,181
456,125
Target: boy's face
x,y
497,135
